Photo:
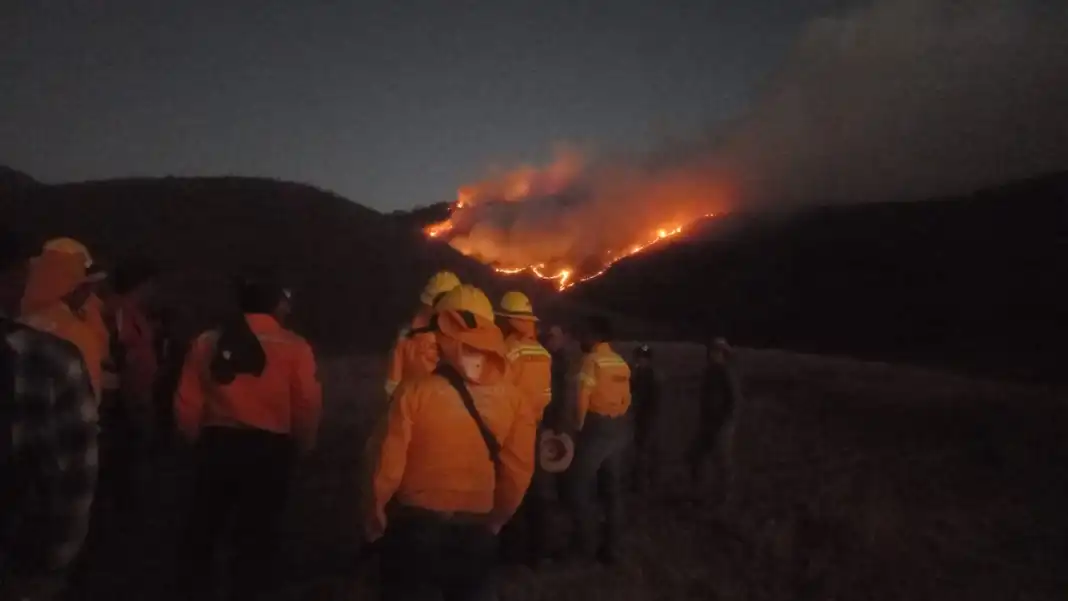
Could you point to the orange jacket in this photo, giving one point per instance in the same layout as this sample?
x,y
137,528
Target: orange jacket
x,y
413,355
432,455
604,384
530,366
285,399
53,276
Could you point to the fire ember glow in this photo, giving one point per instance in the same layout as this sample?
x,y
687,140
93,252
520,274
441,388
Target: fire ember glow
x,y
565,225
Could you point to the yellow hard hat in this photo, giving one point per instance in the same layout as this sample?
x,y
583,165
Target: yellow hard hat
x,y
69,246
466,298
516,305
440,283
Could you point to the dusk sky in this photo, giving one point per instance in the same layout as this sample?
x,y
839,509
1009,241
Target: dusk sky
x,y
391,104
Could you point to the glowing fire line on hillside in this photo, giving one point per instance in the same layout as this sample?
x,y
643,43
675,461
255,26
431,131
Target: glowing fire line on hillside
x,y
565,278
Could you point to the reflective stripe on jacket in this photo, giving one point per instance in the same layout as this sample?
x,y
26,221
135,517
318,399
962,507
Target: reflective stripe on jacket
x,y
530,369
604,384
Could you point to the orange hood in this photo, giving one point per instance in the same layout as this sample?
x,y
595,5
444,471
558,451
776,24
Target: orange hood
x,y
52,276
453,334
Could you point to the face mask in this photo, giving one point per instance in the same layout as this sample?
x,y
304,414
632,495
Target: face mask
x,y
471,364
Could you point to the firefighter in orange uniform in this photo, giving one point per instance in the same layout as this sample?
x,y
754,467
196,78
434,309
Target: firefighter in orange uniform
x,y
603,437
249,397
60,299
455,461
530,369
415,353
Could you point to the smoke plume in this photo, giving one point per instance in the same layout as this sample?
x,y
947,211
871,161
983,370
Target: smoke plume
x,y
903,99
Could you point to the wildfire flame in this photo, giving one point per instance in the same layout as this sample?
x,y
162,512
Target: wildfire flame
x,y
475,204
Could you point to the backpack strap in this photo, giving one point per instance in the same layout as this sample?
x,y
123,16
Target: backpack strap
x,y
456,381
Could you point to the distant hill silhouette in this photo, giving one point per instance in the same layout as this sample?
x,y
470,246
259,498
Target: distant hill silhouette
x,y
356,271
976,281
972,282
12,181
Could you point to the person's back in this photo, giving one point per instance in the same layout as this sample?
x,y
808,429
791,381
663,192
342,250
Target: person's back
x,y
250,399
455,459
720,397
447,467
284,399
531,370
604,399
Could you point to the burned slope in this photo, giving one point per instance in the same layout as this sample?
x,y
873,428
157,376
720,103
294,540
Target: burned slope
x,y
356,271
971,282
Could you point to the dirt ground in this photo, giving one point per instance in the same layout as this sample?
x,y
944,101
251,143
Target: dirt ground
x,y
856,481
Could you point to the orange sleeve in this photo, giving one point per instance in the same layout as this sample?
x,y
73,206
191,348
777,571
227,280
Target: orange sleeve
x,y
93,316
395,371
189,397
517,463
392,457
307,395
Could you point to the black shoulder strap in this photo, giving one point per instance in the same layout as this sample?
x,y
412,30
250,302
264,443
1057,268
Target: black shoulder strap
x,y
456,380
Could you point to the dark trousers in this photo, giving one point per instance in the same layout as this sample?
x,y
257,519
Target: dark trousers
x,y
242,480
598,467
124,454
646,449
525,537
426,556
714,444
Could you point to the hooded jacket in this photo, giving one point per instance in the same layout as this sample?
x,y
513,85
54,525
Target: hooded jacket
x,y
415,353
433,456
52,276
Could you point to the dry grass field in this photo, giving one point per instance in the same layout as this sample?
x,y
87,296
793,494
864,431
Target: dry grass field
x,y
856,481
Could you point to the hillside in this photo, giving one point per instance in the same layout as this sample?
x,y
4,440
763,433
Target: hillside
x,y
356,271
12,181
972,282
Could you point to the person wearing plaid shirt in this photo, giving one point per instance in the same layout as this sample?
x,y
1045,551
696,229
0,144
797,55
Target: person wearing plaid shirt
x,y
48,454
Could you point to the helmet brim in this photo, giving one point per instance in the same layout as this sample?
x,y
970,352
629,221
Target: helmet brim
x,y
519,316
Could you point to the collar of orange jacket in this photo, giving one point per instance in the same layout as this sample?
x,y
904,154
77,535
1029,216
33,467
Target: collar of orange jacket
x,y
453,334
262,322
52,276
523,329
601,348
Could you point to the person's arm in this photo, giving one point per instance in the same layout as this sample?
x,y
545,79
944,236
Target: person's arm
x,y
307,395
70,455
587,382
189,397
392,458
517,463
